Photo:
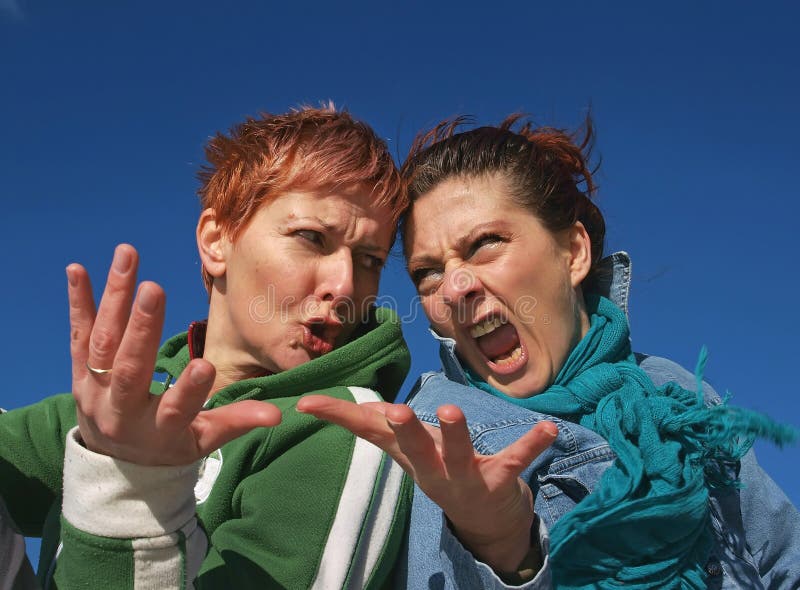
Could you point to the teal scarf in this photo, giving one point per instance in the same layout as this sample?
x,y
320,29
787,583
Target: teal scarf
x,y
646,525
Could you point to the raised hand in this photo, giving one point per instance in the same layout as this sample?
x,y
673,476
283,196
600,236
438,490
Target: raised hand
x,y
489,507
113,356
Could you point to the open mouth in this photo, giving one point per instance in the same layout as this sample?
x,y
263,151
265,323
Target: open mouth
x,y
499,342
319,335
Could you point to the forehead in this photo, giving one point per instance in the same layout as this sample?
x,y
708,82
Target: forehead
x,y
352,212
455,206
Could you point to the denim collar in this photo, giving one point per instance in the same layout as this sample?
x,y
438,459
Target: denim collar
x,y
612,280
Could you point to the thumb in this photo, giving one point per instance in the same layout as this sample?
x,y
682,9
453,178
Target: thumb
x,y
214,428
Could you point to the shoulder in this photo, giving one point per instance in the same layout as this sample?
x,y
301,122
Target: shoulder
x,y
57,410
662,371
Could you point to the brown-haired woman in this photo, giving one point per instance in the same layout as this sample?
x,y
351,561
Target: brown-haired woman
x,y
546,452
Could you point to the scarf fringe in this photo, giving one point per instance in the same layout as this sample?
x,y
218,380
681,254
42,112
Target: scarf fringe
x,y
647,523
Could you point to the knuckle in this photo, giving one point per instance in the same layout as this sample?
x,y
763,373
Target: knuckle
x,y
103,342
109,429
172,414
126,375
76,334
116,287
83,405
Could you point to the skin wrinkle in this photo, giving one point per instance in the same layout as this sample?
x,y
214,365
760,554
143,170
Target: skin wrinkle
x,y
525,260
322,248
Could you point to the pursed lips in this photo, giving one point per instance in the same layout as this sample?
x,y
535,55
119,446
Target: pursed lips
x,y
320,334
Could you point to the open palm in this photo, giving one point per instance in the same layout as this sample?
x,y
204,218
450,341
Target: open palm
x,y
117,415
489,507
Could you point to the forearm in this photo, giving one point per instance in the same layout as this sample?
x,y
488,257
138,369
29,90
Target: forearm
x,y
771,525
126,524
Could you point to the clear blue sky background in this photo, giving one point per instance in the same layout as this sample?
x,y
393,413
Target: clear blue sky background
x,y
105,108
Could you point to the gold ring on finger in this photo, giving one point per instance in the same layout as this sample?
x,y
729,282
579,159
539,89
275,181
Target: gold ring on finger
x,y
98,371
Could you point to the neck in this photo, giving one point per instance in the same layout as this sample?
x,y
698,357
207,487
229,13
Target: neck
x,y
582,323
224,349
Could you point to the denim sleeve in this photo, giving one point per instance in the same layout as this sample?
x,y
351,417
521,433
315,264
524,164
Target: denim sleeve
x,y
771,526
463,571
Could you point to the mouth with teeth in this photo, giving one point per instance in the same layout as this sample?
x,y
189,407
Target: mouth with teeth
x,y
499,342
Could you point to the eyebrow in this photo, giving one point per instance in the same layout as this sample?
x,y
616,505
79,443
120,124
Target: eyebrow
x,y
332,228
461,243
326,226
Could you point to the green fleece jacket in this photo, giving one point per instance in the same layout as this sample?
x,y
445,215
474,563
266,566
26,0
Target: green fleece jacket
x,y
302,505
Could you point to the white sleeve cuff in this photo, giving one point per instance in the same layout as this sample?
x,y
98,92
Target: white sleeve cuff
x,y
111,498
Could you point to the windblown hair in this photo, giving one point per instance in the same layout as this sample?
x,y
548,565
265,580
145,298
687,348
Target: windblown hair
x,y
542,166
309,149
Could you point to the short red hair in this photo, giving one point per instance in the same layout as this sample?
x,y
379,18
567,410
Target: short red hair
x,y
304,149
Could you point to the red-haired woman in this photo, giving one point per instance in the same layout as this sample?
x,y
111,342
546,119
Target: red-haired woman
x,y
546,452
298,216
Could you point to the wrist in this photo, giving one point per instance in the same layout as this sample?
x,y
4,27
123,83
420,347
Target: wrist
x,y
532,562
506,552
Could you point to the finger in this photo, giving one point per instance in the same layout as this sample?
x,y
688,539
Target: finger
x,y
363,420
81,318
457,452
523,451
179,405
214,428
112,315
416,443
136,357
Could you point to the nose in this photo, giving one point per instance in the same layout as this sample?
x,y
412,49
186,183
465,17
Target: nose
x,y
335,278
460,285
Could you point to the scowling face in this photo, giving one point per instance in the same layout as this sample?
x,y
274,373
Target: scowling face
x,y
493,278
296,282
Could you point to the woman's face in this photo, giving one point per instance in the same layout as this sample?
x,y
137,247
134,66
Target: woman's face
x,y
299,278
495,280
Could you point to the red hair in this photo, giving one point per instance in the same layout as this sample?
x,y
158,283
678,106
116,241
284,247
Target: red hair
x,y
313,149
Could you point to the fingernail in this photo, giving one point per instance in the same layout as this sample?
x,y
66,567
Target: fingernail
x,y
122,260
147,300
72,279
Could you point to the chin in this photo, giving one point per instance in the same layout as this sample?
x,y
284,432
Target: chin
x,y
520,388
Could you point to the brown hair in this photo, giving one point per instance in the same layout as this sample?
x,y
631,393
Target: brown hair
x,y
305,149
544,167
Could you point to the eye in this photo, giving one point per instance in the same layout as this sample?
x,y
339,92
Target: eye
x,y
371,262
426,280
312,236
484,241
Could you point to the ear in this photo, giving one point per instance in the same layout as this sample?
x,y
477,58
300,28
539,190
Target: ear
x,y
580,253
211,243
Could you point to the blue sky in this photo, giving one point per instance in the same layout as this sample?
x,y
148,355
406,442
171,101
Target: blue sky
x,y
106,106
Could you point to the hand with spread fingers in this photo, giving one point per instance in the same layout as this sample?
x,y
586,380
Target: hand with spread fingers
x,y
490,509
180,487
113,355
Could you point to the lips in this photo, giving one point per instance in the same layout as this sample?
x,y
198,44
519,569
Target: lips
x,y
320,334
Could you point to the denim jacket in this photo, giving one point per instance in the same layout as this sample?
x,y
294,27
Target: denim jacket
x,y
756,528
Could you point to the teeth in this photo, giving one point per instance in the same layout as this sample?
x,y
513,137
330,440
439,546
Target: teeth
x,y
485,327
515,355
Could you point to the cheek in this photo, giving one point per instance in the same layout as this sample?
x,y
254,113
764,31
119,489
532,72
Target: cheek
x,y
439,315
366,284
